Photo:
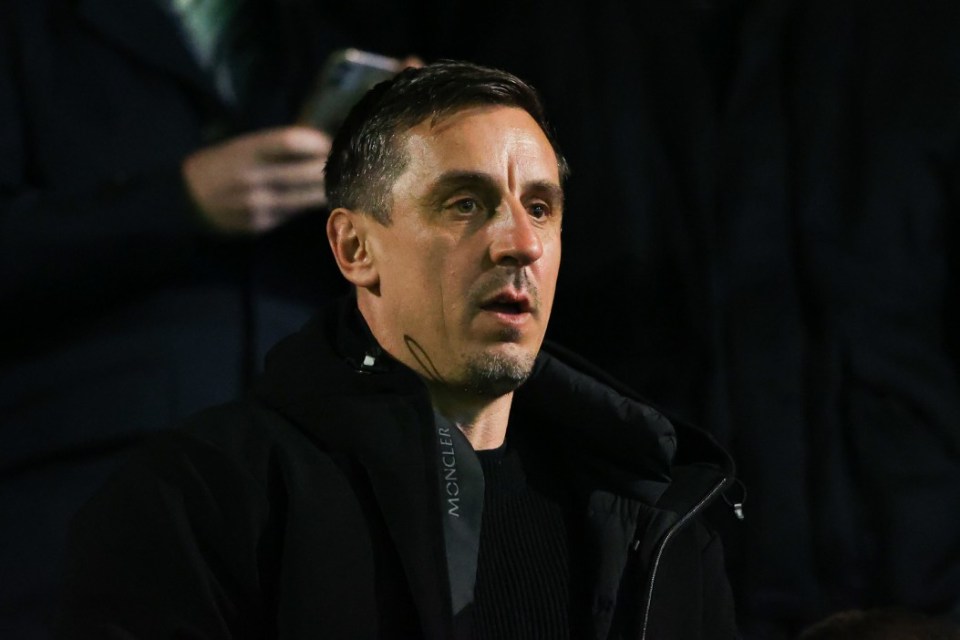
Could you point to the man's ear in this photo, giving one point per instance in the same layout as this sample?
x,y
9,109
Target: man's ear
x,y
347,234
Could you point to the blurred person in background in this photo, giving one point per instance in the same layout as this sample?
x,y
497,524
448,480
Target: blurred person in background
x,y
159,229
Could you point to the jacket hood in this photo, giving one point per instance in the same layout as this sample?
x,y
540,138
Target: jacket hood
x,y
333,380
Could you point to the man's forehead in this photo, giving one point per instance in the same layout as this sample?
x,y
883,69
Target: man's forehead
x,y
476,137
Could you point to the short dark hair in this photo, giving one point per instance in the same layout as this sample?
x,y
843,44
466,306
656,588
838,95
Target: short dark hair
x,y
367,158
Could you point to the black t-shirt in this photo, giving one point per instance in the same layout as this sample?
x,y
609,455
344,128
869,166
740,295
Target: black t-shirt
x,y
530,541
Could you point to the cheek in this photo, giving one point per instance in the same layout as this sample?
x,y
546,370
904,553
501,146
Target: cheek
x,y
436,281
454,290
410,262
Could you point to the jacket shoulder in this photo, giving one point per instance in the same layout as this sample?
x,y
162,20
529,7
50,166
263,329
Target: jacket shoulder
x,y
193,522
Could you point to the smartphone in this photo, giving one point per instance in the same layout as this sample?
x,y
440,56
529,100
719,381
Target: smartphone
x,y
345,77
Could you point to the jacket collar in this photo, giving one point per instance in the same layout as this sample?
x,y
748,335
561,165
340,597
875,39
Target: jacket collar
x,y
627,444
610,433
334,382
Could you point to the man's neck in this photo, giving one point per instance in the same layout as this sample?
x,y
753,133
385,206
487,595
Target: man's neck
x,y
482,421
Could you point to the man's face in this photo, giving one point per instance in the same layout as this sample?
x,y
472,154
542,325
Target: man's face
x,y
468,265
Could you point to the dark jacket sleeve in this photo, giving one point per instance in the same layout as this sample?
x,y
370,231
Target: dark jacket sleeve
x,y
168,549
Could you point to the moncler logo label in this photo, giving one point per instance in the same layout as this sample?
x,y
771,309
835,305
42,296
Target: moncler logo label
x,y
448,470
461,487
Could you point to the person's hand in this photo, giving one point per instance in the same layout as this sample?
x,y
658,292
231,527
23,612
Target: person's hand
x,y
258,181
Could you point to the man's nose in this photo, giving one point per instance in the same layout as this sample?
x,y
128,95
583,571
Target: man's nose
x,y
516,236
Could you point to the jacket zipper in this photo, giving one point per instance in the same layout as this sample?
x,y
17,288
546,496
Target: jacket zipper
x,y
663,544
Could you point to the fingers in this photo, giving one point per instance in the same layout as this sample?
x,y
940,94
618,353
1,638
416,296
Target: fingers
x,y
288,143
265,210
301,199
290,201
412,61
257,181
290,175
270,209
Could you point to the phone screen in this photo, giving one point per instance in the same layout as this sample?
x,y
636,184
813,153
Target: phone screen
x,y
346,76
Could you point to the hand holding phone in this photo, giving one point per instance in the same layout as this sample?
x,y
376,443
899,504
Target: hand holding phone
x,y
346,76
258,181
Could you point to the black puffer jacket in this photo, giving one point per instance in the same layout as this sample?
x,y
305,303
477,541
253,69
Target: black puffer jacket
x,y
311,510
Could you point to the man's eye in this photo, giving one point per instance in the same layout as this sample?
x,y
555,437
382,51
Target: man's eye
x,y
539,210
467,205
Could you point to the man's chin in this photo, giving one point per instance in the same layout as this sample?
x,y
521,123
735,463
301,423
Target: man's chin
x,y
497,373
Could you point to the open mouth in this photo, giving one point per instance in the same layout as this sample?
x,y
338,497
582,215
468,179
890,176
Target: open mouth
x,y
503,307
507,304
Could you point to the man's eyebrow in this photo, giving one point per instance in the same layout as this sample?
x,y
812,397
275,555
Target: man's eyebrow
x,y
549,190
456,179
453,180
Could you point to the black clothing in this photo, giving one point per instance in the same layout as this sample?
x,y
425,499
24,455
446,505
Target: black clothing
x,y
527,543
312,508
122,312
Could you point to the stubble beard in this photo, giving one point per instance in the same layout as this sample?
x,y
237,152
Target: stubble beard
x,y
492,375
